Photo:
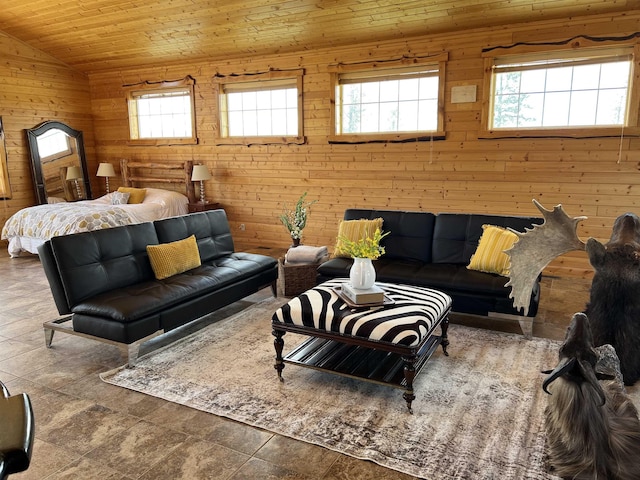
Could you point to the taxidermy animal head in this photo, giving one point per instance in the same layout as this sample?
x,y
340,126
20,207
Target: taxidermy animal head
x,y
593,431
614,303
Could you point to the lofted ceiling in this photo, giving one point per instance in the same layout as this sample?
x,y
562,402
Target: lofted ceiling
x,y
95,35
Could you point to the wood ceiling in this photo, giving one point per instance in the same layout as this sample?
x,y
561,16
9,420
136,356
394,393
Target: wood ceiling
x,y
94,35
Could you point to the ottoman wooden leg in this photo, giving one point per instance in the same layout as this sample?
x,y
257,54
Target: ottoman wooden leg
x,y
278,343
409,376
444,340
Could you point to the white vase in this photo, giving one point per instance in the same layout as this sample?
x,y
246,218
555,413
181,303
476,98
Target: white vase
x,y
362,274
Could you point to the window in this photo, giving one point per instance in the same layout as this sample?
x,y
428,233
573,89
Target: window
x,y
586,92
162,113
53,144
260,108
390,103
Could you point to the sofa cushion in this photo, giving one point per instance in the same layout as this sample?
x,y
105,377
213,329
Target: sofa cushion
x,y
211,229
490,255
456,235
411,232
91,263
168,259
355,230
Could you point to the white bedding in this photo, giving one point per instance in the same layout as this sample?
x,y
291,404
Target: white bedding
x,y
32,226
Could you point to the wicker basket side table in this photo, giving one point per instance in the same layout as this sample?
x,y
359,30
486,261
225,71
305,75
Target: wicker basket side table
x,y
296,279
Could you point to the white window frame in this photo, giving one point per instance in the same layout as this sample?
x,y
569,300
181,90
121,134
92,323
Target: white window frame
x,y
255,82
375,71
136,92
534,58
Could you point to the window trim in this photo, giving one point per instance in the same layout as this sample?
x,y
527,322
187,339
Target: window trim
x,y
220,81
133,91
377,70
528,53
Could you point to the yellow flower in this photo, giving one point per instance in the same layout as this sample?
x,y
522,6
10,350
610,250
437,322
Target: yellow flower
x,y
365,247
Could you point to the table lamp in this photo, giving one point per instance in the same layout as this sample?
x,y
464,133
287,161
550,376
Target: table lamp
x,y
200,174
74,173
106,170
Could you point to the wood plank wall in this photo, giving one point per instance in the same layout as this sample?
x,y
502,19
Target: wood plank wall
x,y
36,87
598,178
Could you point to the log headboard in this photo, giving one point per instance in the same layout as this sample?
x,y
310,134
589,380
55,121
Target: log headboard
x,y
136,173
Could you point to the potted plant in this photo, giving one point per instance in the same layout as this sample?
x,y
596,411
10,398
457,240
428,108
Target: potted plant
x,y
295,220
362,274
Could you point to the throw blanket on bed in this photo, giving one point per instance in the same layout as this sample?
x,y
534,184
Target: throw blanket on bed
x,y
51,220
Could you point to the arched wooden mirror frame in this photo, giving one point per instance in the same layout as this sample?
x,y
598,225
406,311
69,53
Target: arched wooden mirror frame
x,y
39,180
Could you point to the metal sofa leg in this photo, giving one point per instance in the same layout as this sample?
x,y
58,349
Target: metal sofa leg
x,y
129,351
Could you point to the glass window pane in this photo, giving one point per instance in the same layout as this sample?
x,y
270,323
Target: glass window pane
x,y
507,83
409,89
263,100
371,92
615,75
351,119
408,116
351,93
530,114
292,122
389,117
250,123
279,98
235,124
586,77
389,91
611,107
506,111
428,115
583,108
532,81
559,79
234,101
370,117
556,109
428,88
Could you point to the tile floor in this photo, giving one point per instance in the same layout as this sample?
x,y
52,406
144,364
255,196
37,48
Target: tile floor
x,y
88,429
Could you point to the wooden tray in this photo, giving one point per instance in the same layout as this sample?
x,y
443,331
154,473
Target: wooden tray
x,y
387,300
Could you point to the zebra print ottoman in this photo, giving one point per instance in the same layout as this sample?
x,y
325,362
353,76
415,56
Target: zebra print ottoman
x,y
398,336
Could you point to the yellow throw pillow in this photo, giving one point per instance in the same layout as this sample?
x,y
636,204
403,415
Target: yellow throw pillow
x,y
489,256
136,195
354,230
169,259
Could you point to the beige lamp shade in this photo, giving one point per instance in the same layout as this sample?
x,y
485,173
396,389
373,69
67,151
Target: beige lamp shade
x,y
106,170
200,172
74,173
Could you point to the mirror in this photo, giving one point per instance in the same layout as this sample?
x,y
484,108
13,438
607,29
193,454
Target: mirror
x,y
58,163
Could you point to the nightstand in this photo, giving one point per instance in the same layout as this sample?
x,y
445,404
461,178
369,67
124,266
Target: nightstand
x,y
203,207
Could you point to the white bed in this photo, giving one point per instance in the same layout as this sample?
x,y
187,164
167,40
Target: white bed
x,y
30,227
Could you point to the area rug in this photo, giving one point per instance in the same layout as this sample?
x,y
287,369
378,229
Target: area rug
x,y
478,413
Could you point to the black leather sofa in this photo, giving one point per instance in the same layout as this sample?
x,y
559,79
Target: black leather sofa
x,y
103,282
433,250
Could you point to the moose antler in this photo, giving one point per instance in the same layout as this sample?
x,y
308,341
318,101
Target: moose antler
x,y
537,247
